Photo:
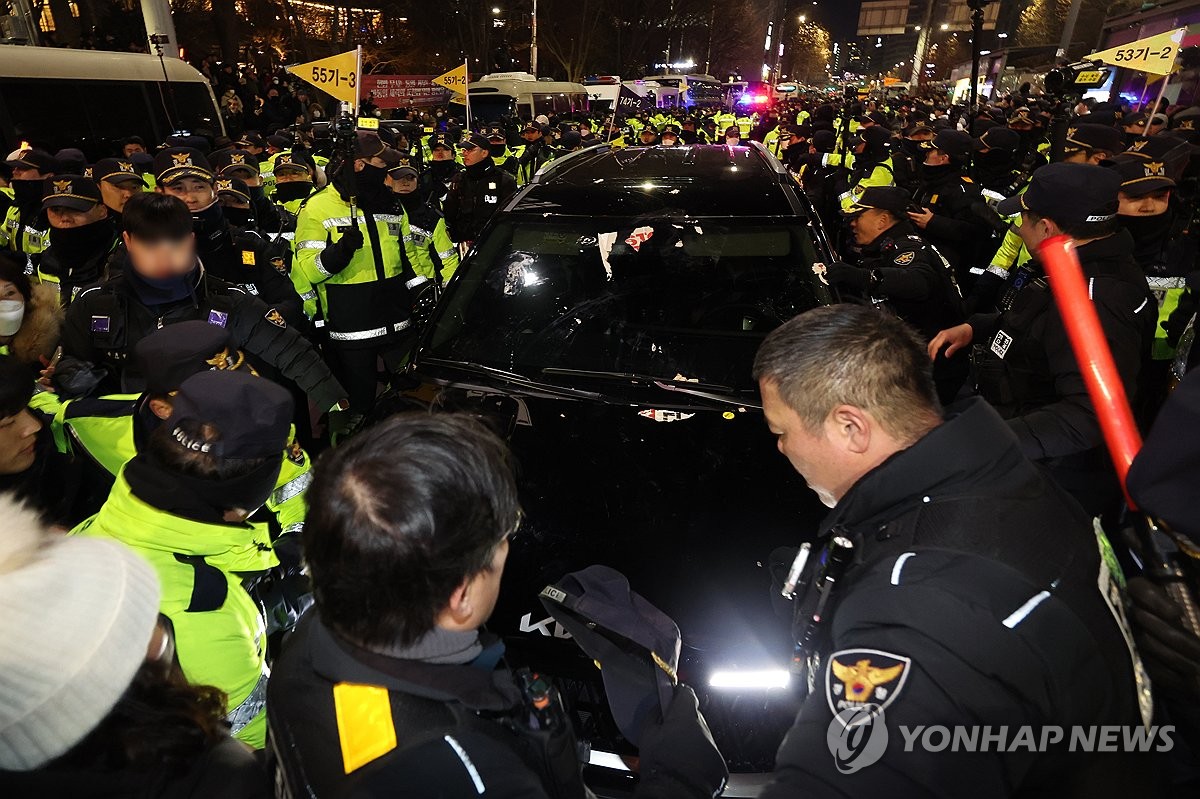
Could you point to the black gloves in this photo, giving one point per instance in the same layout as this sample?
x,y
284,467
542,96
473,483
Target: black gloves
x,y
73,378
852,277
336,255
678,756
1169,650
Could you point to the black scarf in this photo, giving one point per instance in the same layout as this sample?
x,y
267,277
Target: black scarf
x,y
156,292
75,247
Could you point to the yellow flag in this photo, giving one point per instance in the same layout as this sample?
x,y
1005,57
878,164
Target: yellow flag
x,y
455,80
1154,54
336,75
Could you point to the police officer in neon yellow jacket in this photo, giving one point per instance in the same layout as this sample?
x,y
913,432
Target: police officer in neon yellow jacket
x,y
432,254
360,269
182,504
25,229
110,430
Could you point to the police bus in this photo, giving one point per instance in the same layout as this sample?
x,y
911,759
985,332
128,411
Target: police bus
x,y
522,95
54,98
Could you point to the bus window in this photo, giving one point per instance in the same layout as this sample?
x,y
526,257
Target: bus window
x,y
543,104
579,102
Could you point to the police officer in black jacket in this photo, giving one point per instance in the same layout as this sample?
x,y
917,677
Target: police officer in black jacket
x,y
899,270
952,585
236,256
1027,369
477,192
390,687
162,282
952,215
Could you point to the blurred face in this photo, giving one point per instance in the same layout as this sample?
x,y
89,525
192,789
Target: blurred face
x,y
442,154
115,195
164,259
812,454
69,217
196,194
18,442
473,155
1153,204
129,149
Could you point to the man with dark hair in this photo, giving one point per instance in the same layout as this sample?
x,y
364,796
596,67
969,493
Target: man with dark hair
x,y
899,269
1028,370
163,282
952,582
182,504
391,681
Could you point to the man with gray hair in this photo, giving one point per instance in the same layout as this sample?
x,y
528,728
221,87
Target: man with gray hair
x,y
953,584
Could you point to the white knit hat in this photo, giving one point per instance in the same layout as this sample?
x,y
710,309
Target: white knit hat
x,y
78,615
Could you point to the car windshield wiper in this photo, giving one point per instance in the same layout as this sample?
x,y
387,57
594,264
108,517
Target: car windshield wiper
x,y
710,391
512,377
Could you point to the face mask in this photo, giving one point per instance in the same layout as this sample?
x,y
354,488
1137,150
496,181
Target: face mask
x,y
293,190
239,217
497,150
12,313
1147,229
373,193
934,173
27,193
209,221
75,245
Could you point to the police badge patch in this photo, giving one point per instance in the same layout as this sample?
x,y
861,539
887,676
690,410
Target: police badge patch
x,y
274,318
1001,343
905,258
861,677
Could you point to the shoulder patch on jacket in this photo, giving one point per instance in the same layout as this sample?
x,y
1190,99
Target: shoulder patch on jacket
x,y
905,258
862,677
365,727
274,318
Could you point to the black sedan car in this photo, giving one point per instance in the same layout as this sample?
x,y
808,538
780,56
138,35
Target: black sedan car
x,y
607,320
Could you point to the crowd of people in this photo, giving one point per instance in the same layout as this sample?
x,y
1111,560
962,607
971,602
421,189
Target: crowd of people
x,y
198,606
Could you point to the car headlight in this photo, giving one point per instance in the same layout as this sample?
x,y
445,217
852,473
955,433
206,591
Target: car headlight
x,y
762,679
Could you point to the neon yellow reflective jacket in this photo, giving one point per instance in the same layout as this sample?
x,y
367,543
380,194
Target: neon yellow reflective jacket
x,y
219,631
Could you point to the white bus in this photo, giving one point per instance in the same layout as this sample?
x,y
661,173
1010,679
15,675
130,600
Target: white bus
x,y
519,94
54,98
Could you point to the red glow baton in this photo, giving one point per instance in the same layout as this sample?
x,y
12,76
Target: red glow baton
x,y
1091,351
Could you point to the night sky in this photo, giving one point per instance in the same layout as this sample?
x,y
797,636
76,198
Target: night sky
x,y
840,17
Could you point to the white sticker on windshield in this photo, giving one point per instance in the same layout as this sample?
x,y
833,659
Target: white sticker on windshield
x,y
665,416
605,242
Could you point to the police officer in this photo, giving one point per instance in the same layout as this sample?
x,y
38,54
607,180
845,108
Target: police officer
x,y
872,164
237,255
162,282
899,269
360,268
82,236
953,216
648,135
532,154
25,229
995,167
476,193
244,165
442,167
497,147
1027,369
430,250
118,180
952,584
182,504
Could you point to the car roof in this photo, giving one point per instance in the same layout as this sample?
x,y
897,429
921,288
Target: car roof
x,y
696,180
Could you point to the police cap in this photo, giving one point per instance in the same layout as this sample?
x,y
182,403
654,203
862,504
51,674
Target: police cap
x,y
999,137
117,171
233,187
473,141
228,161
40,160
1068,193
1140,176
294,162
252,415
954,143
441,140
175,163
886,198
171,355
1090,136
70,191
